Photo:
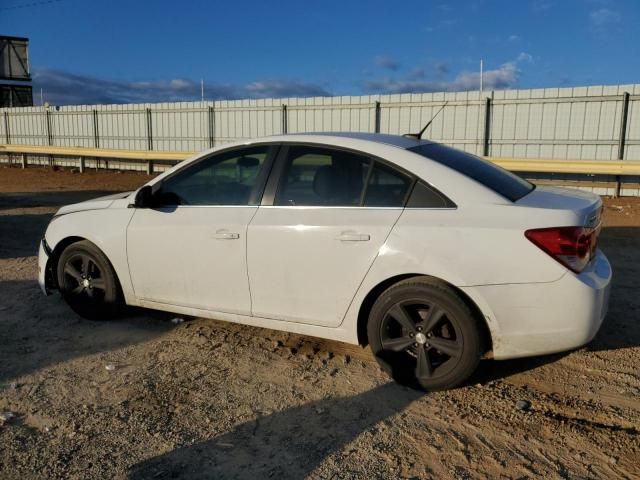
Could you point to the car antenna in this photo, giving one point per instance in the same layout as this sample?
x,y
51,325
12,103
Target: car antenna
x,y
418,135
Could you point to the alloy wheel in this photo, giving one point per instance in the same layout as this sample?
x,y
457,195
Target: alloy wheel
x,y
420,336
84,278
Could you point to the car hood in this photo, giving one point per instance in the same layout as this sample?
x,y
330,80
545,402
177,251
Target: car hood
x,y
93,204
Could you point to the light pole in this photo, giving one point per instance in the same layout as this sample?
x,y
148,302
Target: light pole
x,y
481,77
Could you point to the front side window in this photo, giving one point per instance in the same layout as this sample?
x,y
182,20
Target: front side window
x,y
317,176
224,179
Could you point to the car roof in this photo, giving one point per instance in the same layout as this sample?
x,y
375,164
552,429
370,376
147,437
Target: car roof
x,y
387,139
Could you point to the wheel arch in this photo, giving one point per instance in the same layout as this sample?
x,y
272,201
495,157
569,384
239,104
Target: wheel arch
x,y
375,292
54,258
52,262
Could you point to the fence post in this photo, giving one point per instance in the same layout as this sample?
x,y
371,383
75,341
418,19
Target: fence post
x,y
622,137
149,141
7,135
487,126
285,126
376,127
96,134
211,127
49,134
48,125
149,130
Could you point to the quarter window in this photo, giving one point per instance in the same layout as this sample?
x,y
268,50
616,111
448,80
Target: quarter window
x,y
425,196
386,187
224,179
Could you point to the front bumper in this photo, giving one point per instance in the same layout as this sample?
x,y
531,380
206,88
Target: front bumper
x,y
44,252
542,318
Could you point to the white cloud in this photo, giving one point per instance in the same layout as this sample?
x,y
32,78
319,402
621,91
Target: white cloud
x,y
281,88
387,61
524,57
63,88
504,77
541,5
180,84
604,18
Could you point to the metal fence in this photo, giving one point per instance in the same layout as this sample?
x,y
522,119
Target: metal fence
x,y
600,123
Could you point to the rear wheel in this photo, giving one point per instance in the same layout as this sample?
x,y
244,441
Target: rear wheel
x,y
87,281
424,334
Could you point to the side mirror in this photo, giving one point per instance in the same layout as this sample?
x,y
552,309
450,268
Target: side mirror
x,y
143,197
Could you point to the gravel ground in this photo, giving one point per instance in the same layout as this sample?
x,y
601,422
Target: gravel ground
x,y
143,397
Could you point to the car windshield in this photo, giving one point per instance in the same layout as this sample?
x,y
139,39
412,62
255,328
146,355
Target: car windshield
x,y
496,178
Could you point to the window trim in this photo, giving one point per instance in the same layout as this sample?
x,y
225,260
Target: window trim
x,y
269,178
257,191
367,179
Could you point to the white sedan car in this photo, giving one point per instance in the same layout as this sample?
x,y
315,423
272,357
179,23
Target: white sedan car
x,y
432,256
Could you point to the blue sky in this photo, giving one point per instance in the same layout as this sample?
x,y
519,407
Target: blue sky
x,y
118,51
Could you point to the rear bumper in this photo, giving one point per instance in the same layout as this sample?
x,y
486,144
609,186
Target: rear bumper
x,y
542,318
44,252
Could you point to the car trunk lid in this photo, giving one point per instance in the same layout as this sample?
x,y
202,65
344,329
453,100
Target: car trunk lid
x,y
585,205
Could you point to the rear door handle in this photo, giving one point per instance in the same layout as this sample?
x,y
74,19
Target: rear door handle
x,y
226,236
353,237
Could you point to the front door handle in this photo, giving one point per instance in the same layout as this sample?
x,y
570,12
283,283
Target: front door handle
x,y
353,237
226,236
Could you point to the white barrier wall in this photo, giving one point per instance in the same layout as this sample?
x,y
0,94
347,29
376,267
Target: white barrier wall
x,y
559,123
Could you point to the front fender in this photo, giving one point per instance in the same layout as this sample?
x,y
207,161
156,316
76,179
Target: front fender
x,y
106,228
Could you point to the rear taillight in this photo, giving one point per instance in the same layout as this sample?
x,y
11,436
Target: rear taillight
x,y
571,246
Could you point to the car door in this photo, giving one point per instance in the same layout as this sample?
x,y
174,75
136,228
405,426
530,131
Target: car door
x,y
189,249
318,232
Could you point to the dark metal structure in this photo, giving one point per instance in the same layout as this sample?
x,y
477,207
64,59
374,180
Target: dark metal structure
x,y
16,95
14,58
14,66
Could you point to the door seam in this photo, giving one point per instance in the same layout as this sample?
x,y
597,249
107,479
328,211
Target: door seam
x,y
126,253
246,259
355,294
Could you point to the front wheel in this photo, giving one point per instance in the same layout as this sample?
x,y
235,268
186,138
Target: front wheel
x,y
87,281
422,333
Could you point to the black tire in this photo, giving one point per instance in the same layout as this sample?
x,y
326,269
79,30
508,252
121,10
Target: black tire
x,y
87,282
424,334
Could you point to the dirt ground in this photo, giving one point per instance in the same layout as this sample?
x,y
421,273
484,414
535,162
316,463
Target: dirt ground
x,y
207,399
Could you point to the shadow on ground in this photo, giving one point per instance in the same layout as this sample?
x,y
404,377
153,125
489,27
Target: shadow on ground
x,y
621,327
292,448
38,331
20,232
48,199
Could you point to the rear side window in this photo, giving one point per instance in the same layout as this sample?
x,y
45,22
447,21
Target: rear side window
x,y
316,176
497,179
